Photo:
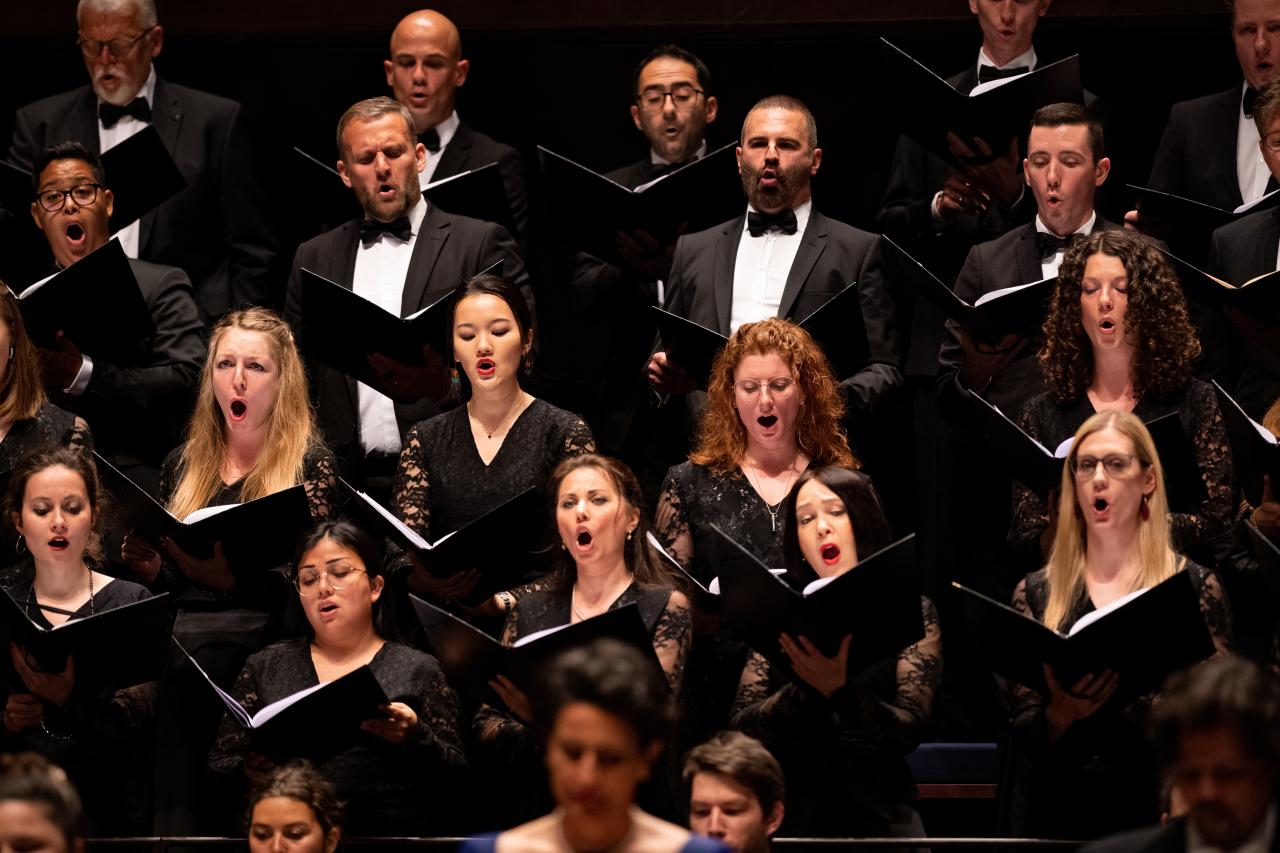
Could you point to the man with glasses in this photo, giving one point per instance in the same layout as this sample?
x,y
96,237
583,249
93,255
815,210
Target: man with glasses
x,y
425,69
136,409
214,228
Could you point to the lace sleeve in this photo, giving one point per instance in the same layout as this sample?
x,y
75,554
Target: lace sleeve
x,y
577,441
231,747
1030,513
1026,706
671,522
411,489
754,706
438,733
1216,610
494,726
671,638
1213,454
320,479
78,437
919,675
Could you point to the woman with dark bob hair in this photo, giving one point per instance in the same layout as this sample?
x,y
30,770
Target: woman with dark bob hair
x,y
40,805
294,808
842,744
1118,338
603,714
457,466
399,775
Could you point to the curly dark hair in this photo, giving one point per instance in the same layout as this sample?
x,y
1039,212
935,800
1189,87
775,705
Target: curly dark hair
x,y
1156,317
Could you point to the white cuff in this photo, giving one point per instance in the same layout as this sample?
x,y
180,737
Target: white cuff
x,y
81,382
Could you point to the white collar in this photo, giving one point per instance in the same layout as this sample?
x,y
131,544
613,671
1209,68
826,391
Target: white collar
x,y
1086,228
658,160
446,129
1023,60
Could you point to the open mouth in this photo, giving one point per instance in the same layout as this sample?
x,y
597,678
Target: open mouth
x,y
57,543
75,233
767,421
1107,324
329,607
768,178
386,190
584,538
1100,504
486,367
238,410
830,553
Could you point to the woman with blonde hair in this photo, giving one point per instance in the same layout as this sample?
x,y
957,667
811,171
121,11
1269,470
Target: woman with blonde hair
x,y
252,434
1079,773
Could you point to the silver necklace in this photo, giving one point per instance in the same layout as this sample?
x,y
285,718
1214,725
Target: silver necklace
x,y
775,508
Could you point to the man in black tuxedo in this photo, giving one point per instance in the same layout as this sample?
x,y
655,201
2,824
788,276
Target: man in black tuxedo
x,y
1209,150
1216,730
214,228
135,409
782,257
403,254
425,70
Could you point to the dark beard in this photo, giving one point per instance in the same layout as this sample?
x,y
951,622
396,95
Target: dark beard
x,y
789,183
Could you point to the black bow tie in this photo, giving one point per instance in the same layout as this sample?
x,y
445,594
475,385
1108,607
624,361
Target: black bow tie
x,y
1250,97
430,138
371,230
110,114
1048,245
657,170
783,220
987,73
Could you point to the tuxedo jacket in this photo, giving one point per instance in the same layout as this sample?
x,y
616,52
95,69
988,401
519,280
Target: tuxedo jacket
x,y
1197,153
1171,838
1004,262
448,250
137,410
831,256
214,229
469,149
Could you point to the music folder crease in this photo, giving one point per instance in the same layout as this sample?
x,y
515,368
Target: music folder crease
x,y
1255,451
1259,297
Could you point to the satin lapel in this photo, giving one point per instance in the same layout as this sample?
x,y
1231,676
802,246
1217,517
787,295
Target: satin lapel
x,y
166,117
426,251
1029,269
812,245
1225,133
82,122
725,260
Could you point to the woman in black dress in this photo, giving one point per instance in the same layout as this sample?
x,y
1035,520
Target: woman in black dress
x,y
842,744
400,776
457,466
604,562
1118,338
1076,770
53,501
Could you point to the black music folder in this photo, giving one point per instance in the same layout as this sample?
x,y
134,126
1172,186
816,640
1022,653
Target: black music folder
x,y
1255,450
255,536
690,345
931,107
1020,309
142,176
471,658
498,543
594,208
1195,217
319,721
702,597
1183,482
878,601
1258,297
1142,640
113,648
1027,460
95,302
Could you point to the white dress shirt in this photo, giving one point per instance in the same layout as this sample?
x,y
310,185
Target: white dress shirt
x,y
381,268
109,138
1049,266
1251,169
446,129
761,269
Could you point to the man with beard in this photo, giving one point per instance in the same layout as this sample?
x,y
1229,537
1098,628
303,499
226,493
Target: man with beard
x,y
402,254
214,228
1216,730
782,258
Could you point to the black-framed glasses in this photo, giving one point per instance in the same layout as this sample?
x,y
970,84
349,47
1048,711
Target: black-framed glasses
x,y
340,575
1115,464
119,47
55,200
682,95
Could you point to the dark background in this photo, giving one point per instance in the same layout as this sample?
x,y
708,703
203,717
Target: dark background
x,y
558,74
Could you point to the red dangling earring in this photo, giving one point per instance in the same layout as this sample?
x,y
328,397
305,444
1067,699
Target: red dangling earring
x,y
1145,509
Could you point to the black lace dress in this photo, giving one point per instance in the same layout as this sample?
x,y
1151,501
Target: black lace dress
x,y
103,740
1097,778
844,757
510,770
1200,533
390,789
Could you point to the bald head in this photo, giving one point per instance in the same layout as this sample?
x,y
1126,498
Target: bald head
x,y
426,66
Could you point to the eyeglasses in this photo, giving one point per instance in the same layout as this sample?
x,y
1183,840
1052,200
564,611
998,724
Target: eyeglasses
x,y
339,576
119,47
55,200
1272,141
654,99
1116,464
779,386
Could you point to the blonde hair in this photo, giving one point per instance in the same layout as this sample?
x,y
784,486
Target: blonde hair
x,y
291,429
21,389
1157,559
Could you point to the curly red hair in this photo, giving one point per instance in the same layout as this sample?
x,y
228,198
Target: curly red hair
x,y
722,439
